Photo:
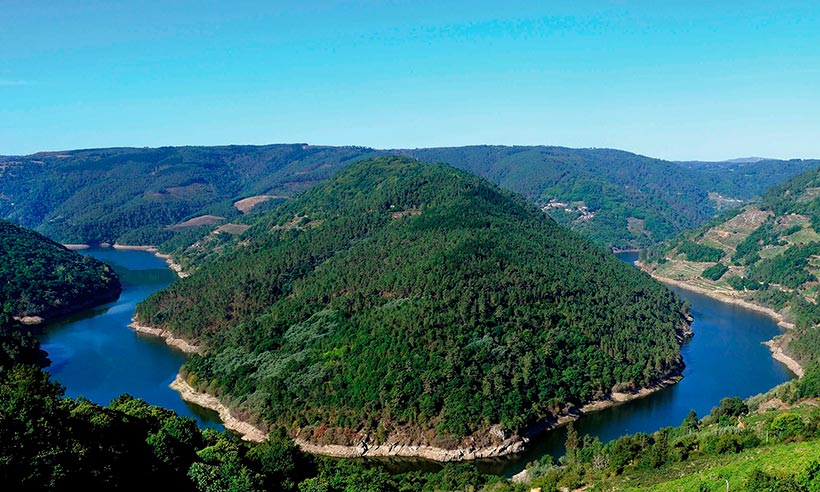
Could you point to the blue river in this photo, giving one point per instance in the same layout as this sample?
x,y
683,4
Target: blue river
x,y
95,355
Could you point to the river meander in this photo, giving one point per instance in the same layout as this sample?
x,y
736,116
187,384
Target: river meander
x,y
94,354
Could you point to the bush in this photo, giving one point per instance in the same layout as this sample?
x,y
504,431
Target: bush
x,y
715,271
730,407
787,426
700,252
809,385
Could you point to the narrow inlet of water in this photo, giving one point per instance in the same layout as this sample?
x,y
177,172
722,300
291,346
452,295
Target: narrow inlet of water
x,y
94,353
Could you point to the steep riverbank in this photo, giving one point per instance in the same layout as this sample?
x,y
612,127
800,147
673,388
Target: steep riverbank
x,y
775,344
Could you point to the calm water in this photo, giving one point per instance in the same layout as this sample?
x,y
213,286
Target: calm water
x,y
94,354
724,358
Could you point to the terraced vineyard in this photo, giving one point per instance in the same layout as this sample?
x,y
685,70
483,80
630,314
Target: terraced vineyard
x,y
766,254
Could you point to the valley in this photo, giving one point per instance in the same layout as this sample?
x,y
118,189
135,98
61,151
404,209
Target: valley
x,y
327,259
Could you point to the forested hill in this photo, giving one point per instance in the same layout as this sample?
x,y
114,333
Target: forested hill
x,y
171,196
43,278
419,301
616,198
134,196
767,252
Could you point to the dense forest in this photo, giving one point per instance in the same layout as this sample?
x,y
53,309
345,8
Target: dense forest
x,y
52,443
43,278
616,198
150,195
767,252
384,301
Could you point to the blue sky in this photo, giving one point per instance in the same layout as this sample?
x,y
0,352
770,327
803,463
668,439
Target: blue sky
x,y
676,80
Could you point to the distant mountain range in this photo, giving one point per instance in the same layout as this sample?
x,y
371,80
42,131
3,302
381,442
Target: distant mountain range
x,y
150,195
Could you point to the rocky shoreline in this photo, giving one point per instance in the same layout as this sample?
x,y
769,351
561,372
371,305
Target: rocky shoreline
x,y
205,400
392,447
395,448
170,339
779,355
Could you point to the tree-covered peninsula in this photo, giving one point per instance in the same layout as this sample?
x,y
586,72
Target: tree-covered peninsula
x,y
420,304
41,278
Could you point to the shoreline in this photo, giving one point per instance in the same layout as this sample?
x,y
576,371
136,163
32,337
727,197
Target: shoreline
x,y
774,344
777,354
205,400
176,267
510,446
170,339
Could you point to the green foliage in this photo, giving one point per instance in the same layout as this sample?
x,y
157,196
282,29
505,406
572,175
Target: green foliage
x,y
397,292
699,252
772,297
691,423
18,346
715,271
730,407
747,252
131,195
787,426
616,186
700,455
787,269
282,463
42,278
744,283
809,385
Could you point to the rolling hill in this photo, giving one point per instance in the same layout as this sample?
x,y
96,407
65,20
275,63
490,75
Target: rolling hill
x,y
172,196
377,305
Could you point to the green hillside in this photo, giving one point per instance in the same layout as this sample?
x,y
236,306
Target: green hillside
x,y
133,196
172,196
766,443
616,198
767,253
387,298
43,278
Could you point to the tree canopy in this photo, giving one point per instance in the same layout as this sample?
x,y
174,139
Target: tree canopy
x,y
43,278
387,298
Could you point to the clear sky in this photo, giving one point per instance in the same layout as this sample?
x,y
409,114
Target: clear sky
x,y
707,80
